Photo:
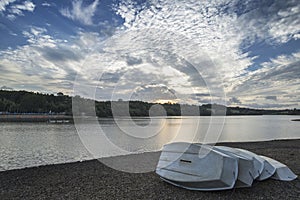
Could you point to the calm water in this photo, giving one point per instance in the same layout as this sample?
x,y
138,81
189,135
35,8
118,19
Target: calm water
x,y
32,144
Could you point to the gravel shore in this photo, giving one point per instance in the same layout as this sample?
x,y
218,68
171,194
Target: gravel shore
x,y
94,180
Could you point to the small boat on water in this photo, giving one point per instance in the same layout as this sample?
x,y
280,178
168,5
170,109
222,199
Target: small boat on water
x,y
197,167
282,172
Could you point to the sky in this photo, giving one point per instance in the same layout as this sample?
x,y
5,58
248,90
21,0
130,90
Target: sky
x,y
235,52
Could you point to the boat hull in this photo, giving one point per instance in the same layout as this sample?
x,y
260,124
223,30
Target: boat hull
x,y
246,168
282,172
267,172
197,167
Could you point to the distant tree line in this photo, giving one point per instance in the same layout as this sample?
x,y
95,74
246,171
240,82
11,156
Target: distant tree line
x,y
29,102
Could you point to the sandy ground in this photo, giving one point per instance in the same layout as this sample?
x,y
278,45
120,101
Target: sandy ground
x,y
94,180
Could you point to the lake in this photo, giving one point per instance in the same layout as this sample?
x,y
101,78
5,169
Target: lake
x,y
33,144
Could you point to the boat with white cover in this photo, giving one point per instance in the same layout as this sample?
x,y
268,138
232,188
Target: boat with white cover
x,y
197,167
267,172
282,172
258,163
246,167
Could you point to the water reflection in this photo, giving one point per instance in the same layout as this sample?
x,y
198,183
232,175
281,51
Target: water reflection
x,y
31,144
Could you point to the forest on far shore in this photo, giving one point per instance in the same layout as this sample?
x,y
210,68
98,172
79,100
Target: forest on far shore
x,y
29,102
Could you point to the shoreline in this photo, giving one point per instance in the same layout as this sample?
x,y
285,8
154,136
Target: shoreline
x,y
68,119
94,180
231,144
30,118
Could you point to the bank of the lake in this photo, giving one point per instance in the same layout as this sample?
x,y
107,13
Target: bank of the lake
x,y
34,117
94,180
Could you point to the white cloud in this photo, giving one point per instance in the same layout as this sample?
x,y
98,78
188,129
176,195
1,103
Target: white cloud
x,y
26,6
213,31
277,78
196,30
17,9
46,4
220,33
154,92
11,17
162,47
288,26
81,13
37,37
278,22
44,64
4,4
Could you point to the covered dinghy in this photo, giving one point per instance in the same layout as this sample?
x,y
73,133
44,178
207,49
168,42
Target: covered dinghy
x,y
282,172
197,167
258,163
246,168
267,172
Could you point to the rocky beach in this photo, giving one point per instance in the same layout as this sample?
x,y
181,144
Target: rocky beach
x,y
94,180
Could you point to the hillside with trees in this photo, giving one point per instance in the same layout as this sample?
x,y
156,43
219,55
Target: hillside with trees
x,y
29,102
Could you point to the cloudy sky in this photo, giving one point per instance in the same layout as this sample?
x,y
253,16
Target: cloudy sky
x,y
238,52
